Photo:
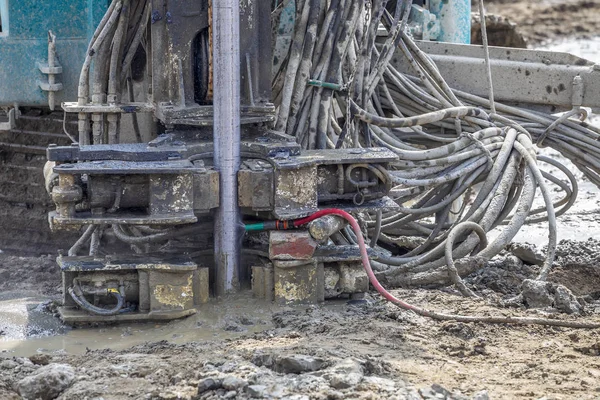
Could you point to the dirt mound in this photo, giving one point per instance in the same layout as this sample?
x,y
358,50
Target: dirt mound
x,y
543,21
40,274
501,32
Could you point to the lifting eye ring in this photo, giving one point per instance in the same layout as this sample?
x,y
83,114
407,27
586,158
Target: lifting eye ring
x,y
359,198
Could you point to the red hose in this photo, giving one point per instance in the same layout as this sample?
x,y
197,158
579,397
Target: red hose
x,y
431,314
363,254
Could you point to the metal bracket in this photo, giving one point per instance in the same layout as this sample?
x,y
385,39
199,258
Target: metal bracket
x,y
52,68
48,70
531,78
10,124
121,108
423,23
50,87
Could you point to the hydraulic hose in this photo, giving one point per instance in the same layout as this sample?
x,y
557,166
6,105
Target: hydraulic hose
x,y
422,311
78,297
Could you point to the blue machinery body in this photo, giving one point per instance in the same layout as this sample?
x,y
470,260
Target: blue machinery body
x,y
24,46
24,41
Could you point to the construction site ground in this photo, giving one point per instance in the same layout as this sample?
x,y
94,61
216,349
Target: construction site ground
x,y
244,348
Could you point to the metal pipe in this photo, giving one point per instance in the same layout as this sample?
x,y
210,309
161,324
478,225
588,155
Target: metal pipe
x,y
455,20
51,64
226,103
321,229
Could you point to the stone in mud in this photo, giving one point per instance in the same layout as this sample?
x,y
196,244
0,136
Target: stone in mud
x,y
231,326
298,364
209,384
536,294
565,301
234,383
263,360
345,374
527,253
40,359
46,383
256,391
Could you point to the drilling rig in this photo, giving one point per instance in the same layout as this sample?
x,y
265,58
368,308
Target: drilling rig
x,y
217,146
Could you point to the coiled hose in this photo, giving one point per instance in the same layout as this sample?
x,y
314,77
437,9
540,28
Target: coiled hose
x,y
78,297
462,158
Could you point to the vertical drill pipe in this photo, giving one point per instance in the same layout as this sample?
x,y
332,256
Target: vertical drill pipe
x,y
226,59
455,20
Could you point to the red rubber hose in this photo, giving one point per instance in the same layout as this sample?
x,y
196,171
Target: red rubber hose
x,y
363,254
431,314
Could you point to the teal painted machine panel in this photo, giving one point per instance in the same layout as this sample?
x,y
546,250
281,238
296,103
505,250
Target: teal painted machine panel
x,y
24,45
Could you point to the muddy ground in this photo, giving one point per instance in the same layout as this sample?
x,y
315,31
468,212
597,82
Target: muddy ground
x,y
545,21
369,350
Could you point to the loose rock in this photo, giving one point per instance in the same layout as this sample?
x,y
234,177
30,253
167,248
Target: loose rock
x,y
298,364
40,359
256,391
483,395
565,301
527,253
345,374
209,384
536,294
234,383
47,383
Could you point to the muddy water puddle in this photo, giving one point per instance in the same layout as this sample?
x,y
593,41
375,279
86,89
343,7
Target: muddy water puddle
x,y
588,48
27,330
582,221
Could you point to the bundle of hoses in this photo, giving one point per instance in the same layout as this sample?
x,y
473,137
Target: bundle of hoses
x,y
466,164
111,52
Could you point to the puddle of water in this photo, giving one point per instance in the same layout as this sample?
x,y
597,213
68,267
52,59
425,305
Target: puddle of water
x,y
239,315
579,222
22,316
586,48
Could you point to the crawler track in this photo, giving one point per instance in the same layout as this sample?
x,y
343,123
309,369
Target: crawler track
x,y
24,203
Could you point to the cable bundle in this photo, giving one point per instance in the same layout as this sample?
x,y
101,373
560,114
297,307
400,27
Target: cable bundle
x,y
112,49
466,164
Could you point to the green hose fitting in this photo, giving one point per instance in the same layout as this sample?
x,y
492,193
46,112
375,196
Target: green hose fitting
x,y
270,226
255,227
326,85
